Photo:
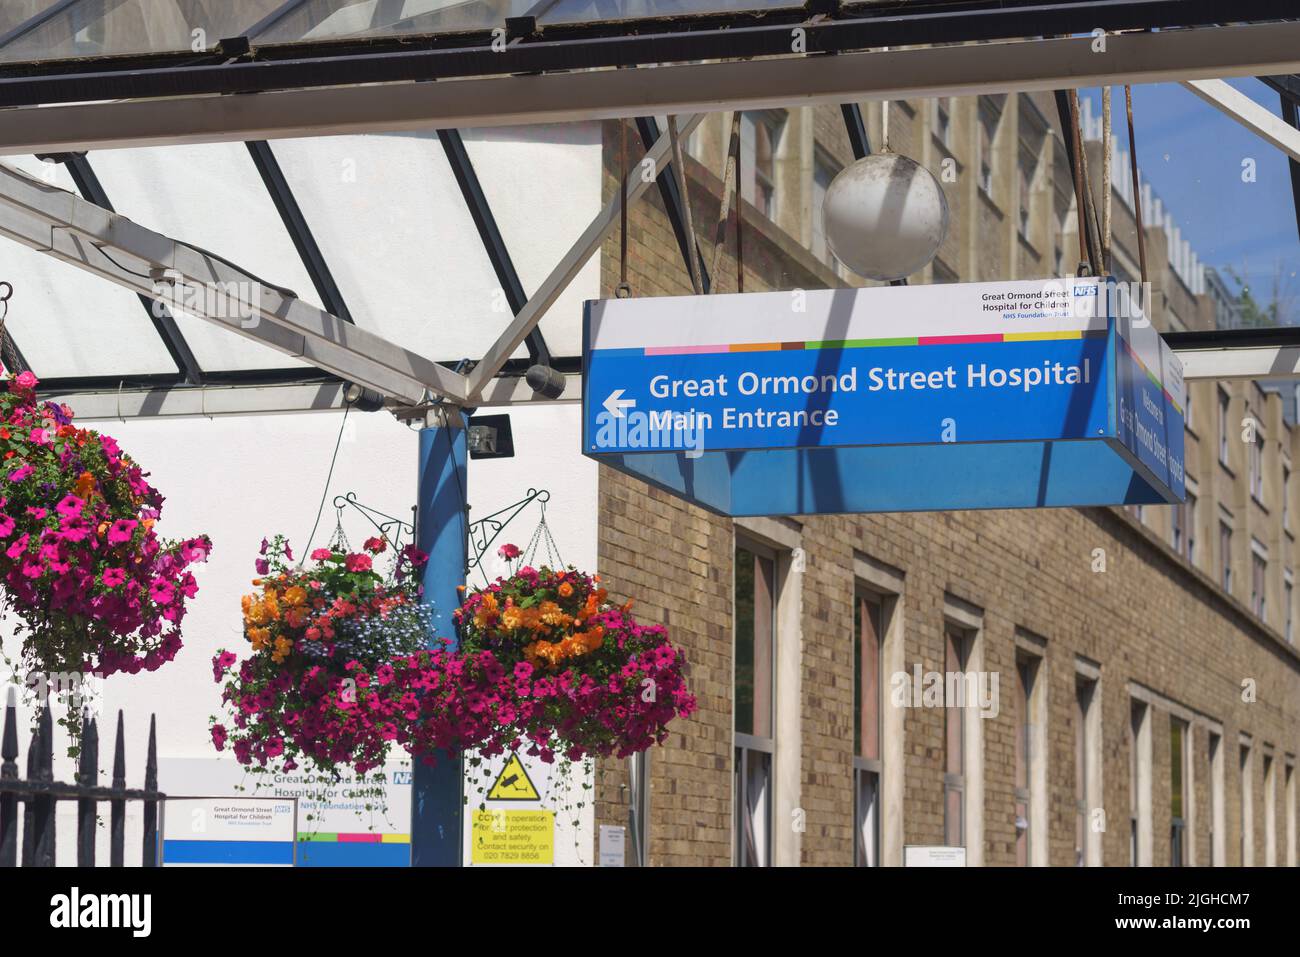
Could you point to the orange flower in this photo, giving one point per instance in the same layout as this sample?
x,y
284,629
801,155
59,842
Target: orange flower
x,y
260,637
85,485
295,595
565,589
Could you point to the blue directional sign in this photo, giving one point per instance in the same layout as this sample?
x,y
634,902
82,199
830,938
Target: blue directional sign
x,y
983,395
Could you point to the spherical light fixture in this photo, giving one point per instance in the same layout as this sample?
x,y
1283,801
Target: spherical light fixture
x,y
885,216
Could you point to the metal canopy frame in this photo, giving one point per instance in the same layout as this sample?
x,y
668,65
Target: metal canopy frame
x,y
189,114
241,65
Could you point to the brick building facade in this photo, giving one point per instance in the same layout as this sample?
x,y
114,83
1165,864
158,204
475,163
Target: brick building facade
x,y
1142,687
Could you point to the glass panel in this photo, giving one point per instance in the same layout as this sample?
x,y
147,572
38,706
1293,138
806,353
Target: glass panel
x,y
328,19
583,11
120,27
543,184
18,13
68,322
429,284
231,215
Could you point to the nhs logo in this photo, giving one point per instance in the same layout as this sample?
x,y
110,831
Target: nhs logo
x,y
401,777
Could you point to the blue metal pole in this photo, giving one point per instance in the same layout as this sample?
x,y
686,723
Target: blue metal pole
x,y
437,805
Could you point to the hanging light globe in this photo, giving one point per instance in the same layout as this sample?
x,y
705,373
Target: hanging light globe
x,y
885,216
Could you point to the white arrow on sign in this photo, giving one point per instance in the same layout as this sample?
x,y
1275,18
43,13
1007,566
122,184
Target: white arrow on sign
x,y
615,404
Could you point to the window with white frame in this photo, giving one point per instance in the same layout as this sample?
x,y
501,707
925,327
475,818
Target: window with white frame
x,y
1224,427
868,650
1087,765
1026,167
943,121
1225,556
755,656
1217,813
1270,810
1289,808
1257,464
1139,784
1258,577
760,143
1246,768
1286,498
1028,719
990,116
957,648
1179,767
1288,601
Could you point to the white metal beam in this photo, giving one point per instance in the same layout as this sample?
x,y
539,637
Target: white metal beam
x,y
1272,129
67,227
1044,64
185,401
1241,362
203,401
549,291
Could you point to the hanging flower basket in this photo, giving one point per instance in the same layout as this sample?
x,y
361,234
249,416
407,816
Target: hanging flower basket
x,y
547,663
94,586
327,643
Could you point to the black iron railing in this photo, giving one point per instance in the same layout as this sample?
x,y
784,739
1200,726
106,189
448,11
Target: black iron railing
x,y
38,794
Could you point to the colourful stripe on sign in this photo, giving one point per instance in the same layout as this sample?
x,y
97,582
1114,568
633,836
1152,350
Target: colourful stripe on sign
x,y
861,343
676,350
365,837
815,344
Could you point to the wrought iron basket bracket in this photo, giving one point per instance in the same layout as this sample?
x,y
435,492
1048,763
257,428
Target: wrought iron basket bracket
x,y
485,531
390,527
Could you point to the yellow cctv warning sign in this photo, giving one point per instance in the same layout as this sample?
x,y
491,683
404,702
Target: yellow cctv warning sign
x,y
513,837
513,783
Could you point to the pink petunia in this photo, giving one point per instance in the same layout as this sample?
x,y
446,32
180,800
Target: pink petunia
x,y
121,530
18,474
220,663
219,737
6,526
70,505
162,592
18,547
73,528
113,577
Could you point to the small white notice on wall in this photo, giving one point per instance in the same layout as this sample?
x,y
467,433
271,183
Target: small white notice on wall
x,y
612,843
915,855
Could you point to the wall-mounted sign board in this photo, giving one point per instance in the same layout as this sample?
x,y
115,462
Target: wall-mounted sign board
x,y
975,395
